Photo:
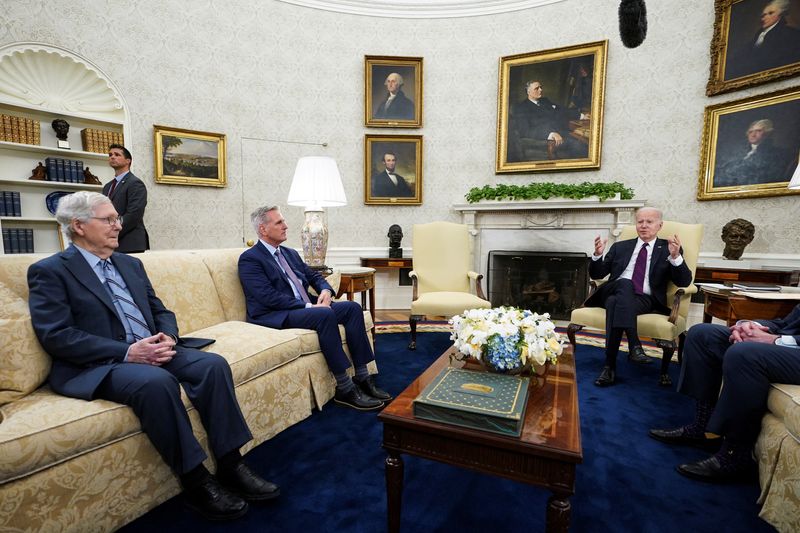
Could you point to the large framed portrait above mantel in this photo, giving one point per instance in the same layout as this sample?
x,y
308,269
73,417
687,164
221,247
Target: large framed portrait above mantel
x,y
187,157
755,42
550,109
750,147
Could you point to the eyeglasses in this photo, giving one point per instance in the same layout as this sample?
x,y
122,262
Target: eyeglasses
x,y
111,221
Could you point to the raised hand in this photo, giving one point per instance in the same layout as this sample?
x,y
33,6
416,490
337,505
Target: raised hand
x,y
599,245
674,246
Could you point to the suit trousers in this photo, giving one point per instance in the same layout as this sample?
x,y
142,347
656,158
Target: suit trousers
x,y
622,306
325,321
744,371
154,394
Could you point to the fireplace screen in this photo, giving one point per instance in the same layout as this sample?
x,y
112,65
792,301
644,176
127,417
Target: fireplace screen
x,y
544,282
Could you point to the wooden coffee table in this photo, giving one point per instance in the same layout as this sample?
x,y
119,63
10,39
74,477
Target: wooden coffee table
x,y
546,454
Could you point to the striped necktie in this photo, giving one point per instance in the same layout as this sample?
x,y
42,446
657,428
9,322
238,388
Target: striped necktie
x,y
292,276
136,324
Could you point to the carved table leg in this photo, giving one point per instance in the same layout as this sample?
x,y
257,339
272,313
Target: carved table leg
x,y
394,490
558,513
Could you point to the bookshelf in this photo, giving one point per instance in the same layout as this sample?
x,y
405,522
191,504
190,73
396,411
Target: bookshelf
x,y
88,100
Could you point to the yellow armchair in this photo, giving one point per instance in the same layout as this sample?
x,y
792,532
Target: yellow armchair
x,y
664,330
441,275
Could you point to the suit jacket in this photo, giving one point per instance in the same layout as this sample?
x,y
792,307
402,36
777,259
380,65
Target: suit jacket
x,y
268,291
401,107
789,325
130,199
76,321
781,47
661,270
767,164
382,186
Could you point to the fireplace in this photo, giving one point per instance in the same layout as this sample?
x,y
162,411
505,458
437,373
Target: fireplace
x,y
544,282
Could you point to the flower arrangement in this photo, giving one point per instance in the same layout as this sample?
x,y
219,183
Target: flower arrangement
x,y
506,339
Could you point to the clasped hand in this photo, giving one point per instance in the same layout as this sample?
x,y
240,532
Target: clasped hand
x,y
751,332
156,350
324,299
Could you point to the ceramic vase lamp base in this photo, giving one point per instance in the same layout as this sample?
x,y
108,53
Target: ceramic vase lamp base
x,y
314,237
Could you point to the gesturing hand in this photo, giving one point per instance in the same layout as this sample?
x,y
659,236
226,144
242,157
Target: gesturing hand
x,y
674,246
599,245
156,350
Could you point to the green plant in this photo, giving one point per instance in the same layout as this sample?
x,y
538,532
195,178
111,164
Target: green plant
x,y
533,191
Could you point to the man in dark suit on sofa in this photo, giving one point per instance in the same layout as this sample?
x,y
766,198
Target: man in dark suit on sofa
x,y
129,196
276,282
743,360
95,312
640,270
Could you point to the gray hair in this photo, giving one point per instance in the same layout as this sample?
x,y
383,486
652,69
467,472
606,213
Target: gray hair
x,y
259,216
396,75
782,5
78,206
656,210
764,123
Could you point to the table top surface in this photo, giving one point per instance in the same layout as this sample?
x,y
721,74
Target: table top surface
x,y
552,423
354,270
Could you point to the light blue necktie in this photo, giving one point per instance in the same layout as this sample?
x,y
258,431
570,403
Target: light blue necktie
x,y
137,325
292,276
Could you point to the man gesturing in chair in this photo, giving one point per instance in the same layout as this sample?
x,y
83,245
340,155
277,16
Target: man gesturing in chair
x,y
276,282
640,270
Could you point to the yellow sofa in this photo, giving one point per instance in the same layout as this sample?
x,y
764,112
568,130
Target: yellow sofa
x,y
73,465
778,453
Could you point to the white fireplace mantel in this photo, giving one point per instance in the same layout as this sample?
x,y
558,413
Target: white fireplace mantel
x,y
558,224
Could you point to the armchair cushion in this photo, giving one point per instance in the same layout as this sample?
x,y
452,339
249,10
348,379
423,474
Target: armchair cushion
x,y
446,303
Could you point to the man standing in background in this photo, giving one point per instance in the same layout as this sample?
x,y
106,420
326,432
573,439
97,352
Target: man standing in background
x,y
129,196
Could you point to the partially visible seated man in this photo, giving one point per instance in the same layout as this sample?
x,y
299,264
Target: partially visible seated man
x,y
743,359
95,312
276,282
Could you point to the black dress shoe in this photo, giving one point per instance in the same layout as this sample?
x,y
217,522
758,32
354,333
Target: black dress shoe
x,y
712,471
679,436
637,355
243,481
606,378
214,501
355,399
369,388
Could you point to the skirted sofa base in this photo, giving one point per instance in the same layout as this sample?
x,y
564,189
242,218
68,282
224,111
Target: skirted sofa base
x,y
73,465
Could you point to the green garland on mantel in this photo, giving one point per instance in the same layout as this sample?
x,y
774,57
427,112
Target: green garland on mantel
x,y
545,191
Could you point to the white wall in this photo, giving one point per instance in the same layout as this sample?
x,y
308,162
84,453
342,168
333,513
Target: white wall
x,y
265,69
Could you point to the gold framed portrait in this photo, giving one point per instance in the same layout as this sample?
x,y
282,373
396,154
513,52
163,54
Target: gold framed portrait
x,y
392,92
393,169
754,42
187,157
750,147
550,109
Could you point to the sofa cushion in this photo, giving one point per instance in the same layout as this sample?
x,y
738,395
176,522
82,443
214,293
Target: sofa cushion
x,y
782,398
792,419
14,275
24,365
224,270
182,282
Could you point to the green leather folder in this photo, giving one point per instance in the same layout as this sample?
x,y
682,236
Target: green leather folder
x,y
474,399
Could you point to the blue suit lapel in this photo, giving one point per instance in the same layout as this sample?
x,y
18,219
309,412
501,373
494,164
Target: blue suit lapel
x,y
84,274
273,264
135,286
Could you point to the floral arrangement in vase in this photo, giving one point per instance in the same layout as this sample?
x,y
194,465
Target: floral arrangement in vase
x,y
506,339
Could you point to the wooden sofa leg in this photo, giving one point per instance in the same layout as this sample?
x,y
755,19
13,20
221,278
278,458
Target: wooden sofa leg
x,y
412,322
572,329
668,348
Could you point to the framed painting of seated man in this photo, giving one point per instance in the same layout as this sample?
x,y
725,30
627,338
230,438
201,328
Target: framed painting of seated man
x,y
750,147
550,109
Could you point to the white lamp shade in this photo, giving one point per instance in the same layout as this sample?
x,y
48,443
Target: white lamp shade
x,y
795,181
316,183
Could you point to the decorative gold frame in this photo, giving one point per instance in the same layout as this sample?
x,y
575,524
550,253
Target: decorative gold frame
x,y
403,146
741,12
197,141
735,128
554,68
376,69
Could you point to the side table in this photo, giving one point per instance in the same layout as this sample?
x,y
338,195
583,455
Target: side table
x,y
359,279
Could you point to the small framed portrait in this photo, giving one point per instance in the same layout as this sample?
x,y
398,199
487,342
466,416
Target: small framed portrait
x,y
550,109
755,42
393,169
186,157
392,92
750,147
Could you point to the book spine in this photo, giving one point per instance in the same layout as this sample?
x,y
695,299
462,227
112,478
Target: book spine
x,y
37,132
52,172
6,241
29,240
15,129
60,172
8,201
7,128
16,203
14,241
79,177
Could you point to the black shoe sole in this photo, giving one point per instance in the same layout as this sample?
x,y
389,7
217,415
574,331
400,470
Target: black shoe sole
x,y
738,477
353,406
258,497
710,445
214,517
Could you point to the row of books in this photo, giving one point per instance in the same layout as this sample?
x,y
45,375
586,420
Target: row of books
x,y
18,241
99,140
10,205
65,170
20,130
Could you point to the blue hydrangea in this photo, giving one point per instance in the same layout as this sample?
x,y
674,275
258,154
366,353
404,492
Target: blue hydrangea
x,y
503,353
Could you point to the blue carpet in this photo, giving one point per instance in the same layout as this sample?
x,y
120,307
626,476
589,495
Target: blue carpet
x,y
330,469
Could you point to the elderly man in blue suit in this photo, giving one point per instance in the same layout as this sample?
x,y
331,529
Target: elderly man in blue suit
x,y
96,313
276,282
640,270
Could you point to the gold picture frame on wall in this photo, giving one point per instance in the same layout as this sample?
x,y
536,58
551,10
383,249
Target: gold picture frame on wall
x,y
187,157
741,56
550,109
393,169
392,92
750,147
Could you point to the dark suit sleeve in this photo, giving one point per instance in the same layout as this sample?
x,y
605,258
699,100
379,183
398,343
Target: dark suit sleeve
x,y
54,323
680,275
262,296
788,325
133,212
602,267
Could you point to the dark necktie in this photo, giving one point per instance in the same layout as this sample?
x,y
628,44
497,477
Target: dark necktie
x,y
292,277
122,298
113,186
639,270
